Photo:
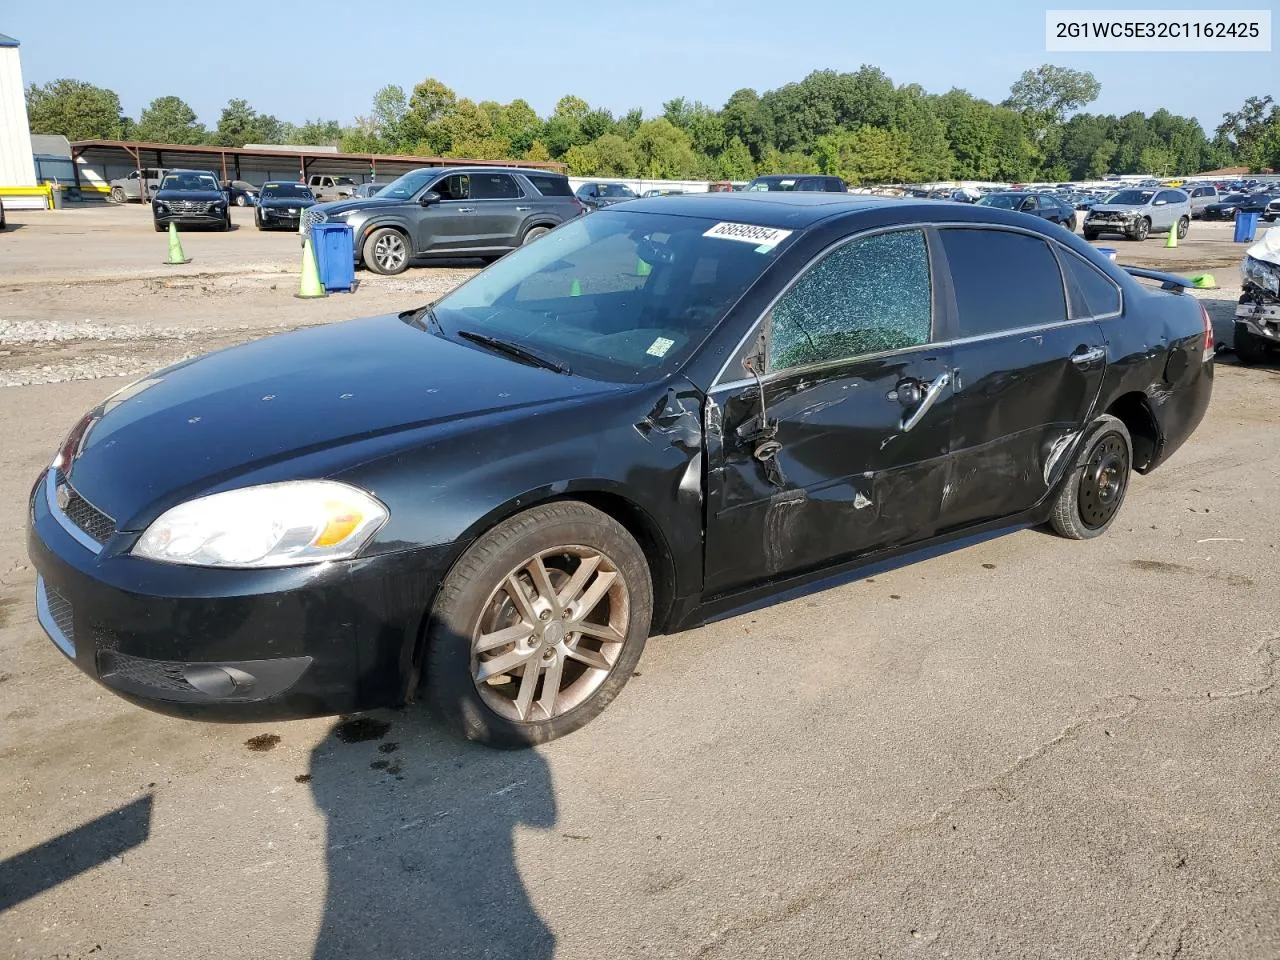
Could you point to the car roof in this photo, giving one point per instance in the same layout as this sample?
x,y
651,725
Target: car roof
x,y
526,171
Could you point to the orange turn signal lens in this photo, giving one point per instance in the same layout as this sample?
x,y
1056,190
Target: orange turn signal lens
x,y
338,528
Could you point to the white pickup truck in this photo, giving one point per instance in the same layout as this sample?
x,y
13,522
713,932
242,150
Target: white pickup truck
x,y
124,189
326,187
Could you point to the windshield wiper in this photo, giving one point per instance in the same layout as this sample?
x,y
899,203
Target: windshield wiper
x,y
523,354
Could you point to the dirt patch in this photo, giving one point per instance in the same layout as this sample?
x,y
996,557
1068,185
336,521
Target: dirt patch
x,y
361,729
1162,566
262,742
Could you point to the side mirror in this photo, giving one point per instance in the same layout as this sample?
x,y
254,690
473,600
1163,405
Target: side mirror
x,y
1160,203
428,198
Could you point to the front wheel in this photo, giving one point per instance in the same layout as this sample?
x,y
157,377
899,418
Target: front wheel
x,y
1090,234
117,195
1249,348
538,627
1140,229
1071,224
241,201
1183,225
386,251
1092,493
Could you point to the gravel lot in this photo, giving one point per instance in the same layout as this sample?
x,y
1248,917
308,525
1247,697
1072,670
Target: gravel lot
x,y
1030,748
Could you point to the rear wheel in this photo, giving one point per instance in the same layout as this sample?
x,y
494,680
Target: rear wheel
x,y
386,251
240,200
1183,225
534,233
1092,493
1249,348
538,627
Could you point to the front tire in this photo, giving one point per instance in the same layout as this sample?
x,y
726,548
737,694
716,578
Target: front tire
x,y
1140,230
241,201
1249,349
1090,234
1071,224
1094,490
117,195
386,251
538,626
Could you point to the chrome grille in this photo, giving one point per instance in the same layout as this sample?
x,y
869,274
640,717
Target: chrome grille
x,y
81,512
310,217
190,206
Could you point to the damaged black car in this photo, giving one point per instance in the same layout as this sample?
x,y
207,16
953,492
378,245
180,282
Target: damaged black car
x,y
656,416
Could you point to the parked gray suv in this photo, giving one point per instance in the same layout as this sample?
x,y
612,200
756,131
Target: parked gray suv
x,y
451,212
1137,211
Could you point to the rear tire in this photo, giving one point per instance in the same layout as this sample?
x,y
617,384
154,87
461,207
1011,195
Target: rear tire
x,y
1093,492
1250,349
386,251
533,234
475,602
240,200
1183,225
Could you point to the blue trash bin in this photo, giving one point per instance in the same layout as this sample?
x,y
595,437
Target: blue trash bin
x,y
1246,227
334,248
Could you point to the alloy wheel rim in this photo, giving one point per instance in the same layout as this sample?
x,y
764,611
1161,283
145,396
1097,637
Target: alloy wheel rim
x,y
1103,482
550,633
389,251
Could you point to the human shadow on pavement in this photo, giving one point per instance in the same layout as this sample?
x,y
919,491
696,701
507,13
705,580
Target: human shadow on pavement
x,y
420,835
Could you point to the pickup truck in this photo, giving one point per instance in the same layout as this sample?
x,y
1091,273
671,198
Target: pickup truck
x,y
124,189
326,187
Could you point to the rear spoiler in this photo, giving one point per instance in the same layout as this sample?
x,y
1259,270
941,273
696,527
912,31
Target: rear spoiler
x,y
1168,281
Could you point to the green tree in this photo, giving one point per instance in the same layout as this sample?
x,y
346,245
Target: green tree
x,y
745,117
563,128
929,155
75,109
386,122
735,161
629,123
866,155
170,120
315,133
706,130
596,123
537,151
1053,91
1240,129
520,125
241,124
429,104
1158,161
614,156
662,151
582,159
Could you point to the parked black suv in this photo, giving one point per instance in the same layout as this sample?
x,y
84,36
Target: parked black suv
x,y
451,212
808,183
191,198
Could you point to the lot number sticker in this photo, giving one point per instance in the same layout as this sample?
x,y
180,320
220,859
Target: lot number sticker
x,y
765,238
660,347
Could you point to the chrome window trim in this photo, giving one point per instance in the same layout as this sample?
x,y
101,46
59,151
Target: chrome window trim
x,y
44,616
51,495
1054,246
809,264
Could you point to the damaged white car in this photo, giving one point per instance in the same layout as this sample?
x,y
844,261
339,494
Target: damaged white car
x,y
1258,310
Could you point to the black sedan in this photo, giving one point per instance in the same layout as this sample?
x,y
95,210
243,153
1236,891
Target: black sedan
x,y
280,204
596,196
1227,207
1043,205
657,415
190,198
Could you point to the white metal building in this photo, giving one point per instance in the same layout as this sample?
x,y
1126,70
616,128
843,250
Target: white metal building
x,y
17,168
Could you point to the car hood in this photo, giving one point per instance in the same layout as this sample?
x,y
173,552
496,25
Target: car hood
x,y
1115,208
357,203
206,423
207,196
285,202
1221,205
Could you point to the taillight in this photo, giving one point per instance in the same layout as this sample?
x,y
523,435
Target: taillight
x,y
1208,330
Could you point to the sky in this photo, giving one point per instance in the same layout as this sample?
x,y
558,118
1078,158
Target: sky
x,y
323,59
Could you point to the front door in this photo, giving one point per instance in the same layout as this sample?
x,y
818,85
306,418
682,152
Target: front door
x,y
1026,372
848,454
449,224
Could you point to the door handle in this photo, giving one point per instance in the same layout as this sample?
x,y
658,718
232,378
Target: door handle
x,y
466,209
1086,355
523,209
931,395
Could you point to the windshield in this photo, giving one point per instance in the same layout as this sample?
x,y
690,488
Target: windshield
x,y
618,296
1235,198
292,190
403,188
1134,198
614,190
1004,201
190,181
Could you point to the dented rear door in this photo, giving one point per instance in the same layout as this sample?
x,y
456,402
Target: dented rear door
x,y
848,453
1026,374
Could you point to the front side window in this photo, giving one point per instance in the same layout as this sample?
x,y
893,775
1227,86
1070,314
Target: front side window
x,y
616,295
1003,281
868,296
456,186
494,186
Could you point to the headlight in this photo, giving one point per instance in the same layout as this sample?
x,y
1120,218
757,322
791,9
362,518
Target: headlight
x,y
272,525
161,208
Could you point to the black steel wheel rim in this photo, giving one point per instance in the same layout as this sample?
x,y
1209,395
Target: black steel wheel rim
x,y
1103,482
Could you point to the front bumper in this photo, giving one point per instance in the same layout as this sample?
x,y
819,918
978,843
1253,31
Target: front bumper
x,y
1115,223
232,645
1261,319
279,218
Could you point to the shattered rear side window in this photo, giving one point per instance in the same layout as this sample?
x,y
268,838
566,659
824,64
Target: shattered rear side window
x,y
868,296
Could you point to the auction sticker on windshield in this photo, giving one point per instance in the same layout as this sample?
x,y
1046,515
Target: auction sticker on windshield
x,y
765,238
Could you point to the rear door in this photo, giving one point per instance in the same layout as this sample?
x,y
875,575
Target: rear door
x,y
848,455
501,208
1027,371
